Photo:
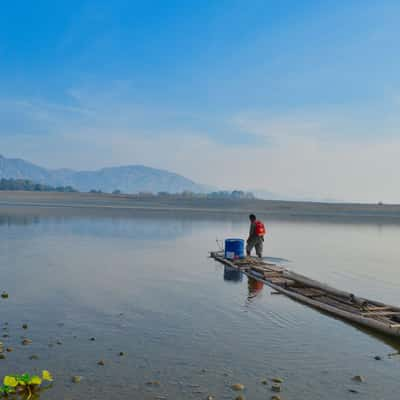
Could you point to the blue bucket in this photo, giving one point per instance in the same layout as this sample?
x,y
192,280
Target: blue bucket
x,y
234,248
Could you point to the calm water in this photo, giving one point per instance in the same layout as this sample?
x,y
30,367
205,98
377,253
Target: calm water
x,y
143,285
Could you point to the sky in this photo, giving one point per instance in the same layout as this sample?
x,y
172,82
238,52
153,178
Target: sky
x,y
299,98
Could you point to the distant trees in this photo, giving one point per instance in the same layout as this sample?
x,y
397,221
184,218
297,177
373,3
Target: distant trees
x,y
25,184
235,194
187,194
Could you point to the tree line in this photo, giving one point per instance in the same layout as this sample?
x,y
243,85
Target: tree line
x,y
25,184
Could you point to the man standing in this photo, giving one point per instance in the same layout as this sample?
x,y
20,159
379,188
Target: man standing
x,y
256,236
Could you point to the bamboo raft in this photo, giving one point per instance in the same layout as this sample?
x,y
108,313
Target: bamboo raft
x,y
377,316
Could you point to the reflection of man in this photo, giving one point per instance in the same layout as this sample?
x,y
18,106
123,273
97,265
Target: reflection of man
x,y
256,236
254,286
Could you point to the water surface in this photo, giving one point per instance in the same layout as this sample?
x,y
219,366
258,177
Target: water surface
x,y
143,284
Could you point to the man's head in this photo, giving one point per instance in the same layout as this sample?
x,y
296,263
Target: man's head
x,y
252,217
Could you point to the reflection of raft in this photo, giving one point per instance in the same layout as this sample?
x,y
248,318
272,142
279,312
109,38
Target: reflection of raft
x,y
372,314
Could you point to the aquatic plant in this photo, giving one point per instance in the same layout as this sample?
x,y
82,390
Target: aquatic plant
x,y
24,385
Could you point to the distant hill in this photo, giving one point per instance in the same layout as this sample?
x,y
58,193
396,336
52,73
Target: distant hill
x,y
127,179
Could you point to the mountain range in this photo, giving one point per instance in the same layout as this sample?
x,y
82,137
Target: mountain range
x,y
127,179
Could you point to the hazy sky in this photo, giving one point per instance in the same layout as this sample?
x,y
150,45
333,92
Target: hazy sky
x,y
300,98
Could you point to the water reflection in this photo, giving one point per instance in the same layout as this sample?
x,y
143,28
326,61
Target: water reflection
x,y
232,274
255,287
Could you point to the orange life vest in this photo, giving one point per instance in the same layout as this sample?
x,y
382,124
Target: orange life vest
x,y
260,229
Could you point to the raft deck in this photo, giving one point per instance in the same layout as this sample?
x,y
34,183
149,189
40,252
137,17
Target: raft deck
x,y
378,316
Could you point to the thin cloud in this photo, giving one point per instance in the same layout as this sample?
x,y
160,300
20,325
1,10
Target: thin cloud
x,y
300,154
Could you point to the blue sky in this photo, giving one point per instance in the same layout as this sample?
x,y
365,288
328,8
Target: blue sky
x,y
299,98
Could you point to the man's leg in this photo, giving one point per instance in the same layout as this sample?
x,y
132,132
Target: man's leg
x,y
249,247
259,248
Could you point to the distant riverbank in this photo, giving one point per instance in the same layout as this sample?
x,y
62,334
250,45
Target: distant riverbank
x,y
89,203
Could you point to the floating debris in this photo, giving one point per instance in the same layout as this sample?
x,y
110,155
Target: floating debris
x,y
277,380
34,357
121,353
26,341
378,358
238,387
264,382
275,397
2,356
9,349
101,362
358,378
76,379
240,397
353,391
25,326
92,339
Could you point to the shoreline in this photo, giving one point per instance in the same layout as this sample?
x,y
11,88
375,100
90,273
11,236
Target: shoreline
x,y
124,205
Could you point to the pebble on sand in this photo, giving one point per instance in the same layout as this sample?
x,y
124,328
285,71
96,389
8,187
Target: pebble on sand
x,y
276,387
76,379
237,386
153,383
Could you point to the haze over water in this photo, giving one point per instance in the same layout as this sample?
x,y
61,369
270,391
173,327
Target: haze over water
x,y
143,284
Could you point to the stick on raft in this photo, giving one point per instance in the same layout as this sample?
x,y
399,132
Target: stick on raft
x,y
377,316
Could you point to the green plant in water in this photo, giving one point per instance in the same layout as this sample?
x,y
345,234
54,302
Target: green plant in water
x,y
24,385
